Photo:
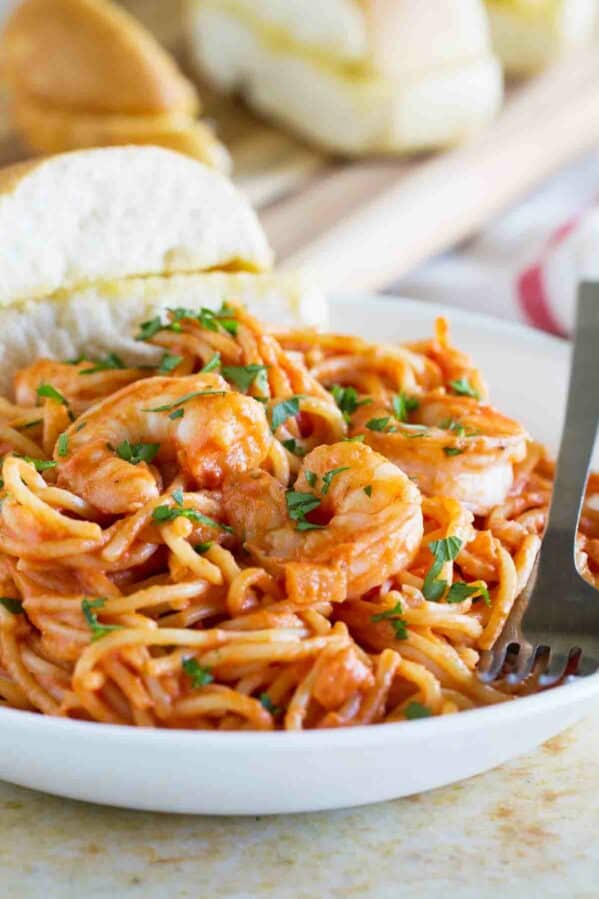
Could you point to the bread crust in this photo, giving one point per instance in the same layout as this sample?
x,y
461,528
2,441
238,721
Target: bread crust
x,y
121,212
85,73
90,56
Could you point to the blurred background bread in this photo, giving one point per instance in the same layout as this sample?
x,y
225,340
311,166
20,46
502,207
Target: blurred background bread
x,y
85,73
530,34
354,77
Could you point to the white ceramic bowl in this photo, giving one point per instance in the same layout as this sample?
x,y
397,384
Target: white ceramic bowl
x,y
256,773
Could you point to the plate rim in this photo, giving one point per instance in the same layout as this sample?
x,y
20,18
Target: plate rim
x,y
361,735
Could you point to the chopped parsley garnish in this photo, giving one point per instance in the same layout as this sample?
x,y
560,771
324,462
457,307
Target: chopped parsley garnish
x,y
311,478
98,630
453,451
148,329
112,361
63,445
368,490
12,605
208,319
395,619
463,387
77,360
416,710
403,405
169,362
80,427
199,676
49,392
243,376
213,364
347,400
328,477
163,514
31,424
177,495
202,548
137,452
299,505
178,413
357,438
293,446
40,465
267,703
450,424
378,424
185,399
460,591
281,412
445,550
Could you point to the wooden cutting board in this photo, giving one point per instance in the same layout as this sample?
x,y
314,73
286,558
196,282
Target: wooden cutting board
x,y
364,224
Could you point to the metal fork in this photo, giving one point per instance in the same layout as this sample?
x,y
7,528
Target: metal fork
x,y
554,626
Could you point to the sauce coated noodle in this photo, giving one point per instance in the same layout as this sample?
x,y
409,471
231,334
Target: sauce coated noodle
x,y
291,531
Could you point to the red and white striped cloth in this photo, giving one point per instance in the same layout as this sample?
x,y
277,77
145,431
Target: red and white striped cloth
x,y
526,265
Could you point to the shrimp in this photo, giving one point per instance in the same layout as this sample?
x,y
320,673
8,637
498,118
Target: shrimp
x,y
196,421
81,383
453,446
365,516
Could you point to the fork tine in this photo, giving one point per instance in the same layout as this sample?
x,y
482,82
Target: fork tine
x,y
492,661
527,655
556,666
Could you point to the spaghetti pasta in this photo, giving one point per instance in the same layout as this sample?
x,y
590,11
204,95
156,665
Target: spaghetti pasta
x,y
271,531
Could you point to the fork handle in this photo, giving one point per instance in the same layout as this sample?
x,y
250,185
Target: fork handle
x,y
578,440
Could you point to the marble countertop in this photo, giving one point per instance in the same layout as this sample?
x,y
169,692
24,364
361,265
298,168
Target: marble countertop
x,y
530,826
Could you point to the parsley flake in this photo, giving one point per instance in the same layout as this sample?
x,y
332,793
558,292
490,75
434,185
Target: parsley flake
x,y
267,703
416,710
202,548
112,361
453,451
12,605
185,399
285,410
98,630
461,591
293,446
169,362
395,619
311,477
368,490
137,452
378,424
403,405
49,392
148,329
299,505
40,465
63,445
213,364
445,550
328,477
198,675
347,400
243,376
463,387
162,514
177,495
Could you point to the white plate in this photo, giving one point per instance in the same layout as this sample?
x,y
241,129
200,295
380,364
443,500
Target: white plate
x,y
257,773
